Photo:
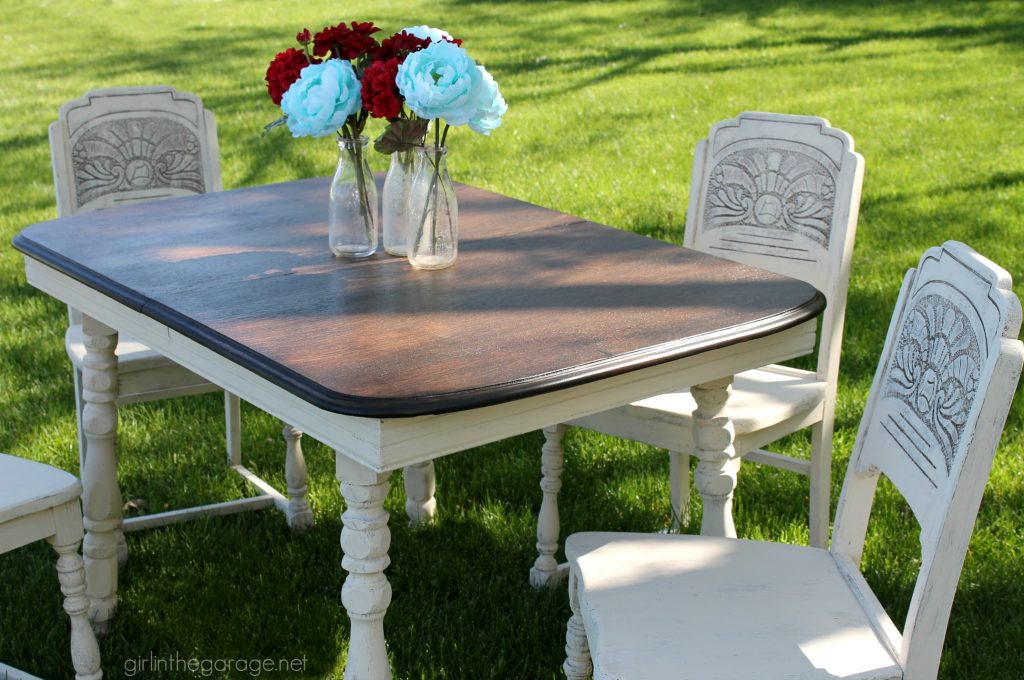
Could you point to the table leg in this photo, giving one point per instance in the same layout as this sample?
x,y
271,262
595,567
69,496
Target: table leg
x,y
101,497
718,465
419,482
366,594
546,571
300,517
122,545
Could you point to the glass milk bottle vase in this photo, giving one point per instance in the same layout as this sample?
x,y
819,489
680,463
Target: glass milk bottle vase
x,y
352,217
395,200
433,219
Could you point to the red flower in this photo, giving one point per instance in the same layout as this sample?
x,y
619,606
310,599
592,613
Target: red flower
x,y
343,42
283,71
303,36
380,94
399,46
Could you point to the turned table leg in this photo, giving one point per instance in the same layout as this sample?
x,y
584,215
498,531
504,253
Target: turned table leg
x,y
546,571
299,515
366,594
419,482
101,497
718,465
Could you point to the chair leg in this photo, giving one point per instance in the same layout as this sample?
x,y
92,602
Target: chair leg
x,y
679,482
718,468
233,428
300,517
420,483
85,653
545,571
821,482
578,664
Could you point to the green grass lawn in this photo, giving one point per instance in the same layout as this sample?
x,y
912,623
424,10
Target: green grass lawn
x,y
607,100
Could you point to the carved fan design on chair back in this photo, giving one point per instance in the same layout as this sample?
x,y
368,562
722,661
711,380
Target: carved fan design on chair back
x,y
776,200
131,154
937,362
129,144
935,370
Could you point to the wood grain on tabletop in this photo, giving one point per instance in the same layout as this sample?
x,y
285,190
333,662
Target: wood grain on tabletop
x,y
536,298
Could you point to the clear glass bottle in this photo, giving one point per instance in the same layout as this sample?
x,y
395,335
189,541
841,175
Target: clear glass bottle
x,y
433,218
352,217
395,200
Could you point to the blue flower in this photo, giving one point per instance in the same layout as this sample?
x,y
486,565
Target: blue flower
x,y
440,81
428,33
325,94
491,105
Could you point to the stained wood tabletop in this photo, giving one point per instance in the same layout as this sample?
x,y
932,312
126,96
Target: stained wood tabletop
x,y
538,300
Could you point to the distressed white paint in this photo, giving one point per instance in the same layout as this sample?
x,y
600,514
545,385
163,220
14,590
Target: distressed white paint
x,y
101,498
654,606
419,482
366,593
300,516
40,502
545,571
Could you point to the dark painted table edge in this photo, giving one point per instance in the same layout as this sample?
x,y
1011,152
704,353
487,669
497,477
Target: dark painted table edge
x,y
373,407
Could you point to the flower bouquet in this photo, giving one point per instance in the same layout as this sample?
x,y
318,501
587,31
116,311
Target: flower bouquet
x,y
416,78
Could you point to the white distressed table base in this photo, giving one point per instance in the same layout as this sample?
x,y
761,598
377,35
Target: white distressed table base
x,y
101,497
366,594
718,465
546,571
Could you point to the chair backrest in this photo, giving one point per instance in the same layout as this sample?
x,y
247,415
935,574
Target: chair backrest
x,y
123,145
933,419
781,193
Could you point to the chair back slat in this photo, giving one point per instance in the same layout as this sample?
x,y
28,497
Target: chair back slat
x,y
782,193
933,419
124,145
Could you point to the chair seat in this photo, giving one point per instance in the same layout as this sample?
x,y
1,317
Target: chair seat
x,y
661,607
27,487
760,399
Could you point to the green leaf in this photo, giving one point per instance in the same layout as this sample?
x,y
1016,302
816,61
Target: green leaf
x,y
401,134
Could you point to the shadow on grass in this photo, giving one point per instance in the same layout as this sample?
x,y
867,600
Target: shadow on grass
x,y
994,182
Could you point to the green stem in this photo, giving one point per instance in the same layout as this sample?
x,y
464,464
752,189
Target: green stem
x,y
364,199
444,137
430,192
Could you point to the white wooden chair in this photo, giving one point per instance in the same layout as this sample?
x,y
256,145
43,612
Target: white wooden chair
x,y
670,606
40,502
125,145
781,193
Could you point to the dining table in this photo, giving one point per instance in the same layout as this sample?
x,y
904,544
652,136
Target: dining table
x,y
544,318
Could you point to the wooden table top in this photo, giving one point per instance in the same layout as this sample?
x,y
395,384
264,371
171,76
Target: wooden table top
x,y
538,300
